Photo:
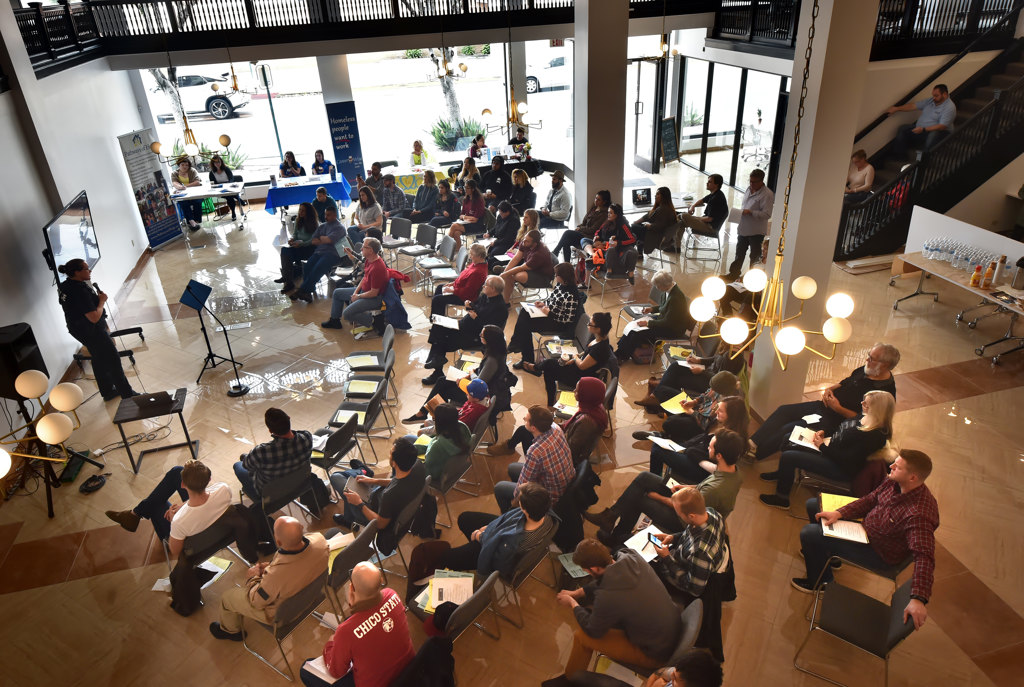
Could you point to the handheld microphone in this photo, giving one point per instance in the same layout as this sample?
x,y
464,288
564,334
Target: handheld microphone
x,y
97,287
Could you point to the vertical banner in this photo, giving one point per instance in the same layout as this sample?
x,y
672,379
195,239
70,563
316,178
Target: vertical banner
x,y
149,184
348,154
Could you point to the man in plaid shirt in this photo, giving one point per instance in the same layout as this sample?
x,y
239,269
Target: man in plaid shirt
x,y
548,461
392,198
286,452
900,517
687,560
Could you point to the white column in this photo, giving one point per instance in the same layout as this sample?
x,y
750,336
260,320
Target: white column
x,y
334,79
600,98
842,45
517,70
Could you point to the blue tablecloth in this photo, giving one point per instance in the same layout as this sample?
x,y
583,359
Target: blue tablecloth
x,y
279,196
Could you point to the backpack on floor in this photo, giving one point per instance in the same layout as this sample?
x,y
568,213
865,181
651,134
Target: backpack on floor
x,y
643,354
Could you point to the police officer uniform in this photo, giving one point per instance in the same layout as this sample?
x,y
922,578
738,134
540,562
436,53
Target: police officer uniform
x,y
77,298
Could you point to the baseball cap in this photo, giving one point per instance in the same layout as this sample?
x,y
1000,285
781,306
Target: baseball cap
x,y
477,389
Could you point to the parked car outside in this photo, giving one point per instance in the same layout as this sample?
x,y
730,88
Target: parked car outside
x,y
209,94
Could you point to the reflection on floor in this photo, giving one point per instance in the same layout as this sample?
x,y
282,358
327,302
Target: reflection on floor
x,y
78,588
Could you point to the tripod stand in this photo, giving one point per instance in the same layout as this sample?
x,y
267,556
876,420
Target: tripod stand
x,y
195,297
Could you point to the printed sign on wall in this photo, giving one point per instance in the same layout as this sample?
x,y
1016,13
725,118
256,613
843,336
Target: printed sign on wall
x,y
149,184
348,154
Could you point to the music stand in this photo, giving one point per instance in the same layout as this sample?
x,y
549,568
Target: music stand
x,y
194,297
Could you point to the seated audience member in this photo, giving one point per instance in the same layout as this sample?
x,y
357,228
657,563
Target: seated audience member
x,y
392,198
519,139
657,223
588,228
467,173
372,645
671,320
186,177
686,560
696,668
900,517
471,221
620,252
495,262
561,312
425,202
716,210
843,455
321,165
532,257
290,168
418,157
730,414
582,430
299,560
201,505
558,206
355,303
496,183
696,378
287,451
933,124
466,287
468,413
325,255
859,179
700,413
569,369
323,201
523,197
221,174
492,369
506,225
489,309
299,245
477,147
449,438
649,494
367,215
447,208
388,496
838,403
625,613
374,179
548,461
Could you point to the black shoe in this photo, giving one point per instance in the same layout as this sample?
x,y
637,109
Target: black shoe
x,y
418,418
802,584
519,365
643,435
109,397
266,548
288,288
434,378
607,539
332,323
280,280
769,476
216,631
775,500
631,279
302,296
340,519
728,278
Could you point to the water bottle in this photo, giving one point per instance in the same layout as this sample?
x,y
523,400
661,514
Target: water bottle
x,y
926,250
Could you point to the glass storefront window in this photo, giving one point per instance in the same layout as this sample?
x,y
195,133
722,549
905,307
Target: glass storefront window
x,y
691,124
722,119
759,106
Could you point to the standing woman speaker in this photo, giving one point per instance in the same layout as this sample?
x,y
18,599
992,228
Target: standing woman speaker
x,y
87,322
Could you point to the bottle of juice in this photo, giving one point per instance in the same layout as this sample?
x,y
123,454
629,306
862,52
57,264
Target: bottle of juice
x,y
986,281
976,277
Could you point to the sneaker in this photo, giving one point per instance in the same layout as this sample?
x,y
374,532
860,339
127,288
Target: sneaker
x,y
417,419
500,448
605,520
340,519
280,280
802,584
333,323
434,378
769,476
130,393
125,518
217,631
775,500
643,436
302,296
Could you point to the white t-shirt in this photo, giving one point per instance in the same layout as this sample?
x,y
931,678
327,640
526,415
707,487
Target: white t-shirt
x,y
191,520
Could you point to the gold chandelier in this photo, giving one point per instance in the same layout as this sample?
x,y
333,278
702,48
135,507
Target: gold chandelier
x,y
787,337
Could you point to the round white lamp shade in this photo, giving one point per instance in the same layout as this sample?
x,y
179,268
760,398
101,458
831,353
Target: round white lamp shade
x,y
54,428
523,108
5,462
839,305
837,329
31,384
790,340
804,288
191,149
734,330
702,308
66,397
755,280
713,288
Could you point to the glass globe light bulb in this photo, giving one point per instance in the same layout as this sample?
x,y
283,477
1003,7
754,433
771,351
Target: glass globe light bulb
x,y
54,428
734,330
214,87
790,340
702,309
5,462
713,288
66,397
523,107
155,146
31,384
804,288
191,149
839,305
837,329
755,280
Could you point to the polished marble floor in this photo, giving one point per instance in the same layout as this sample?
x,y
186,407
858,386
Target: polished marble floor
x,y
76,591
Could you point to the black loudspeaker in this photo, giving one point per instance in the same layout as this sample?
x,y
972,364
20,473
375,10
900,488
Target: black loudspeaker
x,y
18,352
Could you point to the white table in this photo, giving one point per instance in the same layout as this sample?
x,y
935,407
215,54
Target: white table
x,y
236,189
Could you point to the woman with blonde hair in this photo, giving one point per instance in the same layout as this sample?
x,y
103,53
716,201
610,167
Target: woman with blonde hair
x,y
469,171
425,202
841,456
523,196
418,157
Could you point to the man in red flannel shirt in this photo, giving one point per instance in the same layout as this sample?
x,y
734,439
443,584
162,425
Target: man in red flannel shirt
x,y
372,646
466,286
900,517
548,461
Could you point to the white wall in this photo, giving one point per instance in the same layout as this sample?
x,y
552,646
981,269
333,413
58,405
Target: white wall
x,y
990,206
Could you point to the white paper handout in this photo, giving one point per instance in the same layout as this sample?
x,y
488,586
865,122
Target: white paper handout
x,y
640,543
445,321
801,436
666,444
845,529
812,418
340,541
633,326
533,310
320,441
454,589
317,667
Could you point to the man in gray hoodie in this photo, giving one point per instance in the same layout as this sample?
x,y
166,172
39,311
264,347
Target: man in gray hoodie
x,y
631,617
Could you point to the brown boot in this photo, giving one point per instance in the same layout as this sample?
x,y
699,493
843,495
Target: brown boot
x,y
649,401
604,520
500,448
125,518
652,384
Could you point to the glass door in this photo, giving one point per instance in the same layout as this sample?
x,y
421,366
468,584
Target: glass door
x,y
646,76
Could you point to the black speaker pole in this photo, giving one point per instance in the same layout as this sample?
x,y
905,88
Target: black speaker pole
x,y
212,359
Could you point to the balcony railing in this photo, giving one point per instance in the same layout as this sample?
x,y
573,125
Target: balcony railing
x,y
766,22
910,28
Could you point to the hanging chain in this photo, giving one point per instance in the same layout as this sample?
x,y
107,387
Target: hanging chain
x,y
796,128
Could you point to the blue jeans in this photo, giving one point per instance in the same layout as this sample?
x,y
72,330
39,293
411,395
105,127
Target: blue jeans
x,y
906,138
504,492
356,235
191,210
245,479
683,466
317,266
355,311
818,548
773,434
156,504
354,513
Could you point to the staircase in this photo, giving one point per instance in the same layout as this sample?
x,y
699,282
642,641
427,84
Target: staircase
x,y
988,134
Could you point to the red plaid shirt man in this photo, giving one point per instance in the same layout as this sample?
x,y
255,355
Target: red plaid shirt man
x,y
549,463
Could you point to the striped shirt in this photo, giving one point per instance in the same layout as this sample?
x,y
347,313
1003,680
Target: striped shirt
x,y
697,553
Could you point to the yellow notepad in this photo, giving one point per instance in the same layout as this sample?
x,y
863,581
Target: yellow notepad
x,y
422,440
342,416
359,386
831,502
679,352
362,361
674,405
468,366
567,398
316,454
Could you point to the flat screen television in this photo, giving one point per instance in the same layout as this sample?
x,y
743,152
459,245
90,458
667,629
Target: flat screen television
x,y
71,234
